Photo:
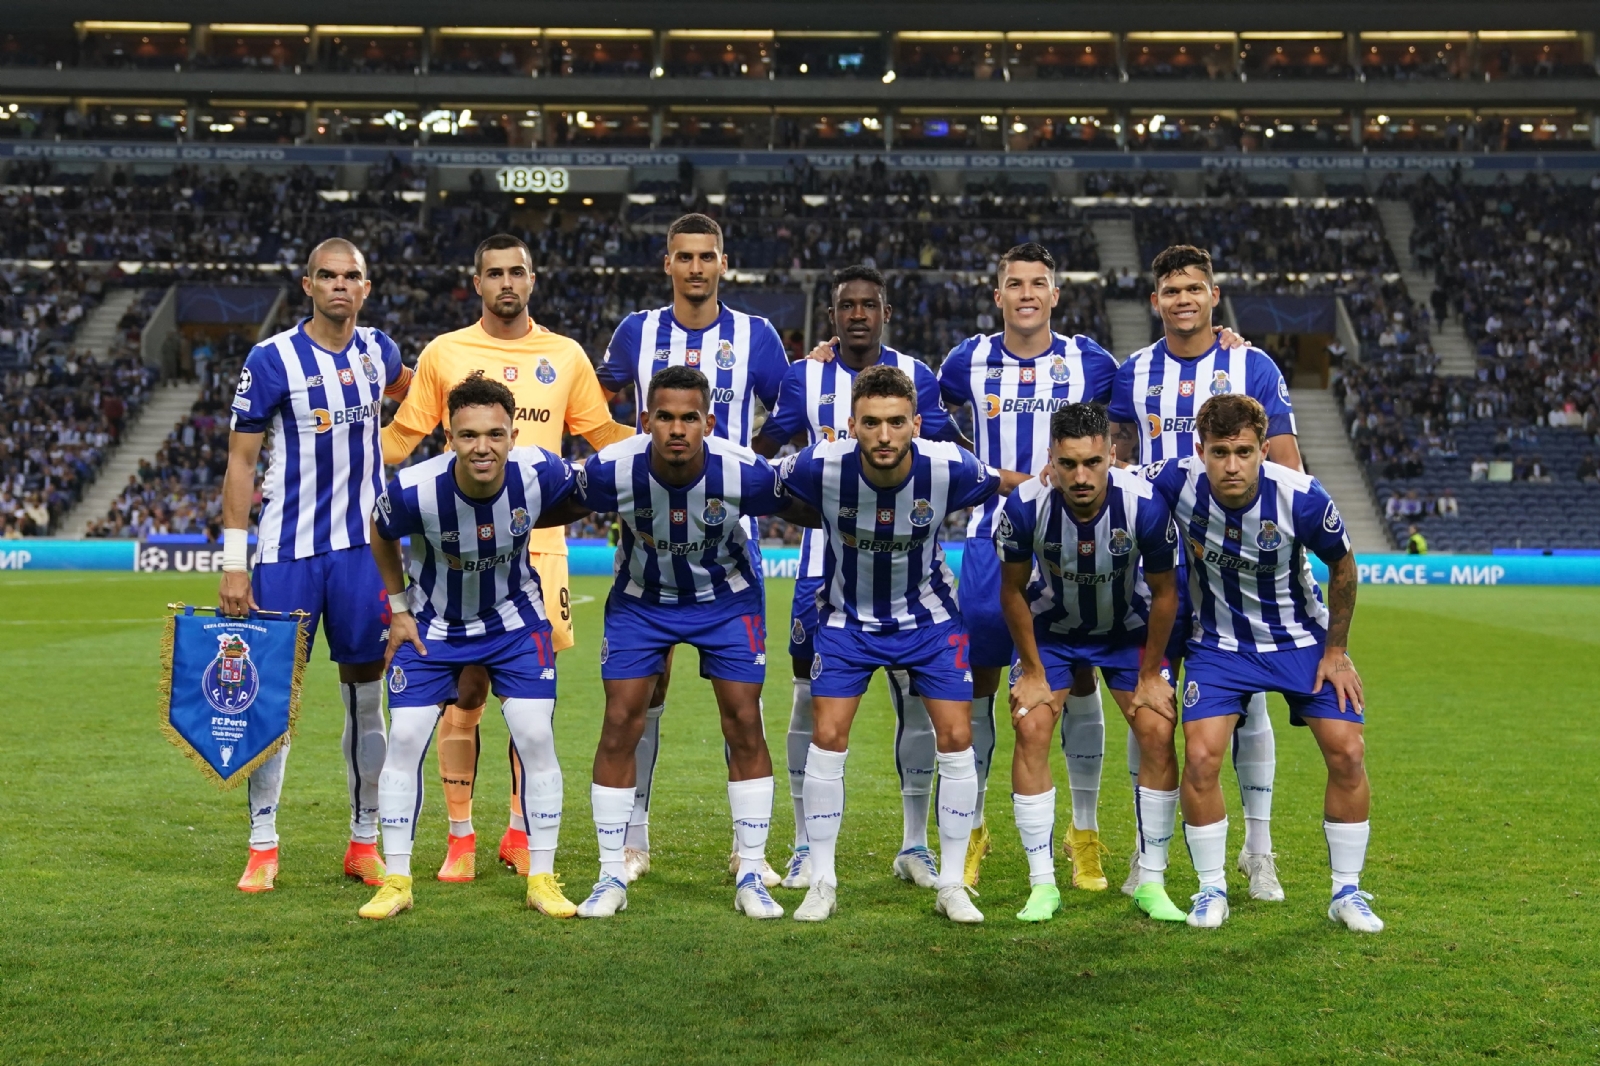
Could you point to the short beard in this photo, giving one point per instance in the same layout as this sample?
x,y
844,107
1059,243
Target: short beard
x,y
494,309
867,457
699,298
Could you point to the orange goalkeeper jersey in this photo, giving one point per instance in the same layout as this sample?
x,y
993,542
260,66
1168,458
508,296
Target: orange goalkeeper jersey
x,y
550,376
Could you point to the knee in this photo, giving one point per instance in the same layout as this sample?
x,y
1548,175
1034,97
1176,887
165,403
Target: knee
x,y
472,690
1202,764
1347,761
1035,730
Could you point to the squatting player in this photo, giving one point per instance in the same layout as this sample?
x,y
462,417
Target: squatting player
x,y
815,400
555,389
1247,524
1153,404
318,387
685,576
743,358
1074,597
888,602
474,601
1014,381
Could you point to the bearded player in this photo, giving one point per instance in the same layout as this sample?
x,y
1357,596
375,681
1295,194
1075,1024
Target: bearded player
x,y
555,389
744,359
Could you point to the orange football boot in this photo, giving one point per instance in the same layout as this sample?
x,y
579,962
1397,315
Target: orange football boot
x,y
461,861
260,871
363,861
514,851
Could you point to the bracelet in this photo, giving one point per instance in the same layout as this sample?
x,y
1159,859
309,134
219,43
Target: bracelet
x,y
235,550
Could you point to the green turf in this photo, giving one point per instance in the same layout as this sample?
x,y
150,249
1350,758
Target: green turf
x,y
122,938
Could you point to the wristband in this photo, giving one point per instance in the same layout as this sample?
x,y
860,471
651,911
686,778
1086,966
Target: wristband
x,y
235,550
400,602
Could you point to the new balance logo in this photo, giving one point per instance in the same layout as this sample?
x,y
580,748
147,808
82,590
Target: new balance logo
x,y
547,674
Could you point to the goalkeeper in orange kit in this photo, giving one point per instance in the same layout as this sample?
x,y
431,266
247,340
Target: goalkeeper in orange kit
x,y
555,389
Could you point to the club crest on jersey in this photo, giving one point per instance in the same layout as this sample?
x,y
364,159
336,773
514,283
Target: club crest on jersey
x,y
1025,375
816,667
1191,694
1269,538
368,369
1015,675
510,373
521,521
1121,542
680,516
1185,388
691,357
724,356
1332,520
347,376
486,531
230,682
921,513
715,514
397,680
886,516
545,372
797,634
1060,372
1085,547
605,650
1220,385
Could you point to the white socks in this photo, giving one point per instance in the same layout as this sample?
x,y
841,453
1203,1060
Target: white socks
x,y
461,829
959,794
1255,761
530,724
1158,814
751,805
611,809
644,777
915,756
1133,776
799,741
364,746
1347,851
1083,742
824,797
982,753
264,790
1036,823
1208,849
400,783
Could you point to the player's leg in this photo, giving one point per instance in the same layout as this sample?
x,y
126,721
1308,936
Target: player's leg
x,y
1033,800
458,751
1255,763
1346,806
1213,702
991,653
400,795
554,581
1083,744
1155,802
356,620
649,750
802,628
612,791
916,758
750,784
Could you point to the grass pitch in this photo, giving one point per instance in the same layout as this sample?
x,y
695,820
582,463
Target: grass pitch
x,y
122,937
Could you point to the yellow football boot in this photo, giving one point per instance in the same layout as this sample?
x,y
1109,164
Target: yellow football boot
x,y
392,898
545,896
1084,849
978,846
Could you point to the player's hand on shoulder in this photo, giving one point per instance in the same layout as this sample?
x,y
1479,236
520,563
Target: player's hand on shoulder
x,y
1227,338
823,353
234,596
1337,669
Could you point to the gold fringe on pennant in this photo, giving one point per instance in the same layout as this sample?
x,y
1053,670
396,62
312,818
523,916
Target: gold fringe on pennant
x,y
301,654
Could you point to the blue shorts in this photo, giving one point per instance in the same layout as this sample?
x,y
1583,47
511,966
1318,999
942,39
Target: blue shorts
x,y
731,636
935,656
980,613
1116,658
1221,682
342,590
803,618
521,665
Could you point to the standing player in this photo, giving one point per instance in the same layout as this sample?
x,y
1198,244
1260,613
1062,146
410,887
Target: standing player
x,y
744,359
1085,604
685,575
883,498
1261,626
318,387
1014,381
555,389
476,602
1153,404
814,400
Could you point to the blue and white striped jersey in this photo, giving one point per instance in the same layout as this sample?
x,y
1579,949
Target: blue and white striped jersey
x,y
1012,400
1162,394
1250,582
741,355
688,544
815,397
1087,579
324,463
469,558
885,569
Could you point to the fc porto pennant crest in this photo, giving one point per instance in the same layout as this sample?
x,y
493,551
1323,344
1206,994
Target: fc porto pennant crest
x,y
230,689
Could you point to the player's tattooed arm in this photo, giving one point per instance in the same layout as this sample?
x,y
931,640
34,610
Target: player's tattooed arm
x,y
1125,442
564,513
1336,668
799,513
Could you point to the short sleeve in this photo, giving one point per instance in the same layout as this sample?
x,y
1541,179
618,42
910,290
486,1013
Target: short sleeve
x,y
262,387
769,363
1167,477
1158,536
788,416
1120,408
1267,385
972,482
619,365
761,494
394,513
1014,527
1319,525
954,387
800,475
557,480
1099,371
389,352
935,419
597,485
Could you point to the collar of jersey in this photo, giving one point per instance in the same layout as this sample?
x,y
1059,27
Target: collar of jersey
x,y
1167,352
861,470
301,327
649,467
1242,508
1105,504
672,319
487,501
1054,349
884,351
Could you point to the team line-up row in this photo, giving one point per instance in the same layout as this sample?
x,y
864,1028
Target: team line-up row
x,y
1126,519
